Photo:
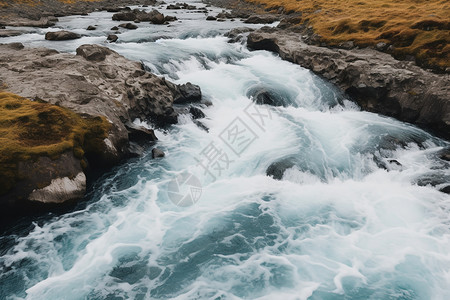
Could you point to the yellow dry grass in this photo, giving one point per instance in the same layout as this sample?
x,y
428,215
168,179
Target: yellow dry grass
x,y
31,129
420,28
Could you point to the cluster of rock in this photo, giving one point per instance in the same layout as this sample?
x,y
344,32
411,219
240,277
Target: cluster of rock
x,y
136,15
95,82
181,6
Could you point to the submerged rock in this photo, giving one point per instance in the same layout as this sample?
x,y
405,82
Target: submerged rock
x,y
62,35
186,93
157,153
112,38
277,169
446,189
196,113
128,26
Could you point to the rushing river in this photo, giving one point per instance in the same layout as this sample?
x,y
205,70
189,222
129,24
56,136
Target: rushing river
x,y
351,218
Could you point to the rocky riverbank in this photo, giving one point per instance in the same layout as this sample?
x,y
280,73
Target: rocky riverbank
x,y
45,13
97,84
375,80
107,92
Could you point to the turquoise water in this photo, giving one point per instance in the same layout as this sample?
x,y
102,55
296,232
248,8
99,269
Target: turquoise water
x,y
345,221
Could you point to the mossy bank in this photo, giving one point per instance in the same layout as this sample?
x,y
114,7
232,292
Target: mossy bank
x,y
30,130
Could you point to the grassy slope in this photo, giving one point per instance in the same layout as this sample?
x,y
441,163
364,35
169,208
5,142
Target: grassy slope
x,y
415,27
30,129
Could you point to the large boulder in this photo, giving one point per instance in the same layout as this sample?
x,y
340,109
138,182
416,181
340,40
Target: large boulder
x,y
93,52
61,35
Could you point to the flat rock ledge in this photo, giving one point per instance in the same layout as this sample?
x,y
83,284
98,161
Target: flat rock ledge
x,y
376,81
97,82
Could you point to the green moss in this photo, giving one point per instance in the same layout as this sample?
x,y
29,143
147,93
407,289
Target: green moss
x,y
31,129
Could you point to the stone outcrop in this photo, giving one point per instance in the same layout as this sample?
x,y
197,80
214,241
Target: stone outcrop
x,y
376,81
95,82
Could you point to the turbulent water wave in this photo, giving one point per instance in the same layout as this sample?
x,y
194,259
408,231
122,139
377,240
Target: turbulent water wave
x,y
348,218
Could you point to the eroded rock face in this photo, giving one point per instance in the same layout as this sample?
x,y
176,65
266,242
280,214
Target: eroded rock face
x,y
376,81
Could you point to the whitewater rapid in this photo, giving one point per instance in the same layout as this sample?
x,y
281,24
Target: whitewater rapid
x,y
351,218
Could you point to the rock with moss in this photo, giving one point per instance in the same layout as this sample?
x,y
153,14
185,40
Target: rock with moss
x,y
43,149
80,115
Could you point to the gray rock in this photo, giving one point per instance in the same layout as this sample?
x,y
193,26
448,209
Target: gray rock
x,y
112,38
211,18
135,150
445,154
93,52
128,26
16,46
170,18
61,35
43,22
381,46
90,27
445,189
196,113
139,134
157,153
186,93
